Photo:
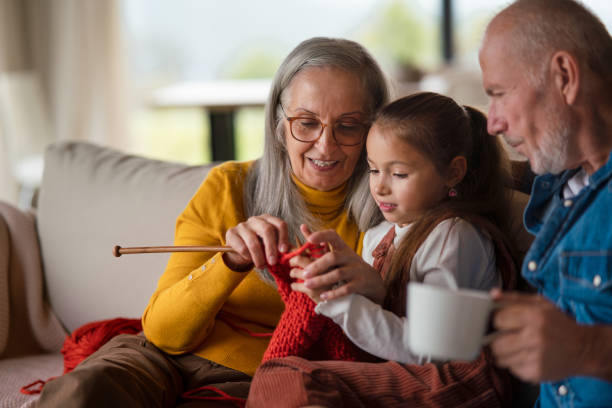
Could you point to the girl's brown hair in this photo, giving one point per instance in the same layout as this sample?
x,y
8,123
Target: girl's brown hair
x,y
441,130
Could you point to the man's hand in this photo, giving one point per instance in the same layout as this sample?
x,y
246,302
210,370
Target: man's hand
x,y
536,340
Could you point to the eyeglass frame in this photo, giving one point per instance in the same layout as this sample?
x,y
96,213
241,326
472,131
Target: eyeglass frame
x,y
290,119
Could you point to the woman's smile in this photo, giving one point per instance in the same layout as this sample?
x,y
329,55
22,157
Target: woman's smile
x,y
323,165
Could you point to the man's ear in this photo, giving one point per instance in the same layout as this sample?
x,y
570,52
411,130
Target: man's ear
x,y
566,75
456,171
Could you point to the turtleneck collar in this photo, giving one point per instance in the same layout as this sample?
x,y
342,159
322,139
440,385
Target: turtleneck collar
x,y
324,204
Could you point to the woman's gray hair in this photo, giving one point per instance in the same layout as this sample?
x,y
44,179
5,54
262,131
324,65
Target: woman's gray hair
x,y
269,188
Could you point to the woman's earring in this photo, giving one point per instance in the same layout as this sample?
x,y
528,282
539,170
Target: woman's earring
x,y
452,192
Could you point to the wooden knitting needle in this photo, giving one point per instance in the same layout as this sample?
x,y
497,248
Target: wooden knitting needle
x,y
118,251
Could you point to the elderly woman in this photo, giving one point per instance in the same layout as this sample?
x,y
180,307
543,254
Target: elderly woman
x,y
208,323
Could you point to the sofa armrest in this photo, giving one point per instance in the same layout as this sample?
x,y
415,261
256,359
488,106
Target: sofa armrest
x,y
27,324
4,285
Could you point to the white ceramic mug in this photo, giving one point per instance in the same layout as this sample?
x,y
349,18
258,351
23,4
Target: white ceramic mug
x,y
447,324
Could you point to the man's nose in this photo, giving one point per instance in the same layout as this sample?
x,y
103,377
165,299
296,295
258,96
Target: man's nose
x,y
495,122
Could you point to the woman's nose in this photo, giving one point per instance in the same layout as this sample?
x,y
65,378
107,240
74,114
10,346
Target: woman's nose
x,y
327,142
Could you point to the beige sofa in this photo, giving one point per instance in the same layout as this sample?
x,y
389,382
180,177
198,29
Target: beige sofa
x,y
57,271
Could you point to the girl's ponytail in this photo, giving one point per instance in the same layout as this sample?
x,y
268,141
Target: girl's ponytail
x,y
485,185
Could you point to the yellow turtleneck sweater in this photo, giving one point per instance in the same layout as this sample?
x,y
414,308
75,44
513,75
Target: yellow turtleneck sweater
x,y
198,295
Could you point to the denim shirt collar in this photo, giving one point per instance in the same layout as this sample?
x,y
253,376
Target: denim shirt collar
x,y
602,175
546,186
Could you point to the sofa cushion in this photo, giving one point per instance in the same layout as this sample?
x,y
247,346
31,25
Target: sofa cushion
x,y
93,198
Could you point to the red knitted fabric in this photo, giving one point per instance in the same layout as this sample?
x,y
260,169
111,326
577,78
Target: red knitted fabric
x,y
302,332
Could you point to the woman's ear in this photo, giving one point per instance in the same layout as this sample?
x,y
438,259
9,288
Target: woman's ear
x,y
456,171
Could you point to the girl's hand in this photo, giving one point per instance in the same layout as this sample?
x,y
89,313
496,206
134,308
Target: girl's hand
x,y
257,242
298,263
337,273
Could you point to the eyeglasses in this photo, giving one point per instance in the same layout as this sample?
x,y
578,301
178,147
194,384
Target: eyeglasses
x,y
346,132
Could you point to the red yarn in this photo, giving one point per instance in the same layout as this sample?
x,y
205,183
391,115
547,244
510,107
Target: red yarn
x,y
302,332
223,396
87,339
30,390
84,341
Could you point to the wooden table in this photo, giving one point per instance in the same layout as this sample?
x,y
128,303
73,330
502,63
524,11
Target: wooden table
x,y
220,99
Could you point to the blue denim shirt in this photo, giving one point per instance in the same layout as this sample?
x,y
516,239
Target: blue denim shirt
x,y
570,262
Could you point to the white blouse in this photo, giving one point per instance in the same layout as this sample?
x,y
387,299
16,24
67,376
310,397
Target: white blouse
x,y
454,247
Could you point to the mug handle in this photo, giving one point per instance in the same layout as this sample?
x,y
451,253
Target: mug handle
x,y
488,338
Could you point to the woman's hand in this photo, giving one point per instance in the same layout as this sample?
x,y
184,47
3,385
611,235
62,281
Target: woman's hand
x,y
256,242
337,273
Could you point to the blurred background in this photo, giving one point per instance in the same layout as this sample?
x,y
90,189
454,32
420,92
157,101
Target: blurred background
x,y
185,80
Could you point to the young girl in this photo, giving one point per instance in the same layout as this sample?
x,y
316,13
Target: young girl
x,y
438,179
440,182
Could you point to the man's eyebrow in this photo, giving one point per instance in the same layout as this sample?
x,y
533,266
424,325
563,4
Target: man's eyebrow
x,y
490,90
352,113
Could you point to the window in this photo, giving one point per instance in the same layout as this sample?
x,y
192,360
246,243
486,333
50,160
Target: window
x,y
182,41
179,41
472,16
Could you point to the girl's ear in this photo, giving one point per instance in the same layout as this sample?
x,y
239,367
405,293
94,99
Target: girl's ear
x,y
456,171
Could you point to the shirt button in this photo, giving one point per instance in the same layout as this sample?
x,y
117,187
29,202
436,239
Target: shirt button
x,y
212,260
597,280
532,266
562,390
190,277
568,203
203,267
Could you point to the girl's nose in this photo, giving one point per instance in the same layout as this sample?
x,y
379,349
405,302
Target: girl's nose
x,y
380,187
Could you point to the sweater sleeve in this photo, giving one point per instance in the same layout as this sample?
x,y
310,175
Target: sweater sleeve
x,y
370,327
195,286
454,247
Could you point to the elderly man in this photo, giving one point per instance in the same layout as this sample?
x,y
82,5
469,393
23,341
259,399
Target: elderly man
x,y
546,68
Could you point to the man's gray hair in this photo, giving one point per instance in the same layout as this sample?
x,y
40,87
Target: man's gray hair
x,y
543,27
269,188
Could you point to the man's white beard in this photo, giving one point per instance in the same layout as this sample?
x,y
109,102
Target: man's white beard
x,y
552,155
